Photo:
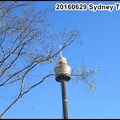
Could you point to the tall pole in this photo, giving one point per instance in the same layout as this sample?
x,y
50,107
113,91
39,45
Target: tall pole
x,y
64,100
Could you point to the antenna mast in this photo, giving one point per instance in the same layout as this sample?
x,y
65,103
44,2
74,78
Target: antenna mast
x,y
60,51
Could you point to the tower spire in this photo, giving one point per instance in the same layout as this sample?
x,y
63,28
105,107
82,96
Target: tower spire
x,y
60,51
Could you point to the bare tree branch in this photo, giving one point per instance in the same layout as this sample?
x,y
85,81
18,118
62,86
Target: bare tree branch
x,y
22,94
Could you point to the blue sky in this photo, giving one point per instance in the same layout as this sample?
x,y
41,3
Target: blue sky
x,y
100,47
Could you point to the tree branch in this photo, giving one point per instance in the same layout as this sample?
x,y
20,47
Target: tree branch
x,y
22,94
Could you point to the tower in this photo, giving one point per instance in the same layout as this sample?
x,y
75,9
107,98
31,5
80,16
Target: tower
x,y
63,74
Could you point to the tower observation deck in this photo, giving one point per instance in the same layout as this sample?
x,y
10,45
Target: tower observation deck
x,y
62,70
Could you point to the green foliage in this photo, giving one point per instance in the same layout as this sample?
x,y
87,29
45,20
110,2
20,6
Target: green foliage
x,y
86,76
92,86
79,71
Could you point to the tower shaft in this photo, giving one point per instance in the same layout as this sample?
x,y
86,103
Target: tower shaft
x,y
64,100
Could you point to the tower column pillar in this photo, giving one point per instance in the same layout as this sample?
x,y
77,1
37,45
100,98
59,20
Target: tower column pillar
x,y
64,100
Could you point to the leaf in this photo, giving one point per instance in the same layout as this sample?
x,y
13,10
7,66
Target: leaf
x,y
32,61
73,36
50,59
43,63
62,35
95,71
54,45
92,86
89,70
79,71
